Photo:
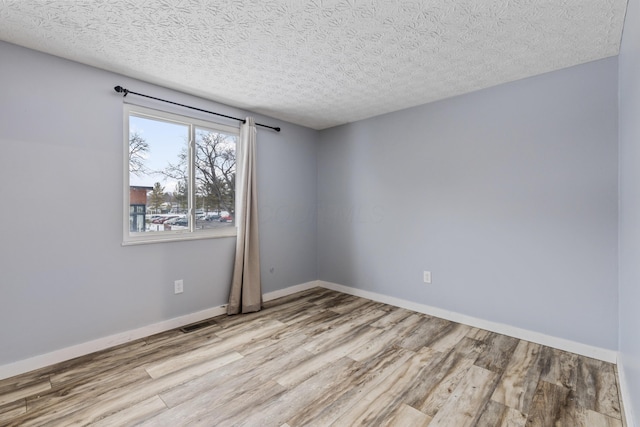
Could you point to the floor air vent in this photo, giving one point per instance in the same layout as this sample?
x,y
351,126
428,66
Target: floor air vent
x,y
195,326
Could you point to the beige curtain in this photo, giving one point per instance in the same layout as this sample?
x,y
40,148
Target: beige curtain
x,y
246,289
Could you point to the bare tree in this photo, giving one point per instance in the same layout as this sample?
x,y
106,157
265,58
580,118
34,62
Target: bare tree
x,y
215,170
138,148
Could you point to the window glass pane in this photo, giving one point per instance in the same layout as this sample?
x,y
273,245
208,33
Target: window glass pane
x,y
158,166
215,173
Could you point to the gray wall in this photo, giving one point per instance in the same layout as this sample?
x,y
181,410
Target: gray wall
x,y
64,276
507,195
629,362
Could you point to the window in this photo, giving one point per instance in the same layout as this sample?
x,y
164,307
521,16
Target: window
x,y
180,177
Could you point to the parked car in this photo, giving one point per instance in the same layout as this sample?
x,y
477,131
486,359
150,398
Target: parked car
x,y
174,221
226,218
213,217
163,219
183,221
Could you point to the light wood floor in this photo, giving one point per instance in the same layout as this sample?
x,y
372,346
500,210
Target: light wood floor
x,y
320,358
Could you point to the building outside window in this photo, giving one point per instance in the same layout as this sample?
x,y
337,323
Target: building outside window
x,y
138,208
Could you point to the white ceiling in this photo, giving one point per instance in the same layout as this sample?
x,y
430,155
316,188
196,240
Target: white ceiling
x,y
320,63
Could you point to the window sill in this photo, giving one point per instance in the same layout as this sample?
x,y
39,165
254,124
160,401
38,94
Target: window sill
x,y
177,237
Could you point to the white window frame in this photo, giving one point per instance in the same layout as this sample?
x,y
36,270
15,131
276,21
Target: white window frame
x,y
175,235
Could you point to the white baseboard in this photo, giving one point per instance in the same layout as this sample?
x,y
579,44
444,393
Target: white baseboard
x,y
625,397
61,355
523,334
82,349
290,290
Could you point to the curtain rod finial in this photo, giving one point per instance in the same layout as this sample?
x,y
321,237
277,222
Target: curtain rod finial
x,y
120,89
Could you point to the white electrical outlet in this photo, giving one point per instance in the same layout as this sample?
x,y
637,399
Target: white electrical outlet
x,y
178,286
427,277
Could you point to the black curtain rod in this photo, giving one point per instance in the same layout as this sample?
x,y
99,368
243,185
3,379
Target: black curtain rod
x,y
126,92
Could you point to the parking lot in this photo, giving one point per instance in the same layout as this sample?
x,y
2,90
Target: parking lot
x,y
166,222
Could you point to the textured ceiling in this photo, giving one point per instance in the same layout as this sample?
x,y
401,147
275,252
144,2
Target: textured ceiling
x,y
320,63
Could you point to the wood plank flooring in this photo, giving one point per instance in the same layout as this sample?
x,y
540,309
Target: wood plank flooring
x,y
320,358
